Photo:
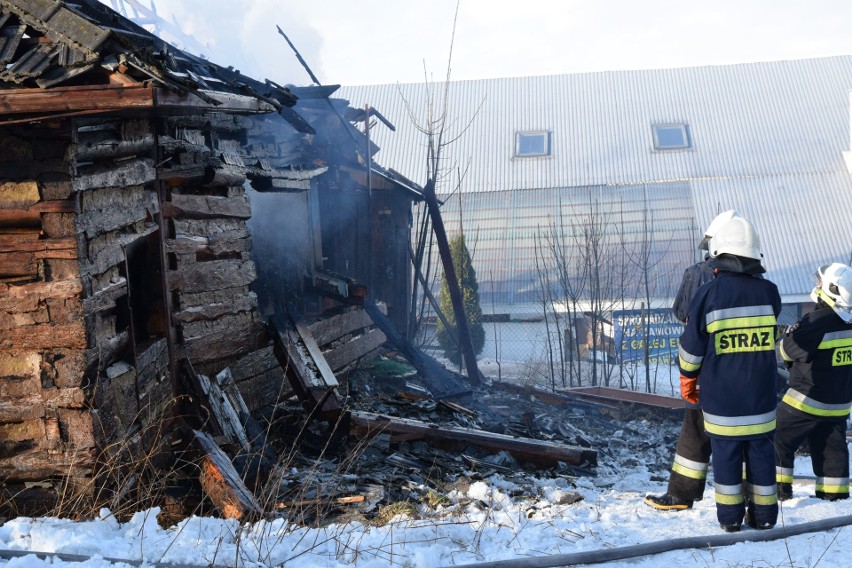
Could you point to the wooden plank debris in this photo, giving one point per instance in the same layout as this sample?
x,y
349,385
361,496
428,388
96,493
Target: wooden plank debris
x,y
622,403
329,501
223,411
326,374
222,483
537,452
308,384
562,398
348,338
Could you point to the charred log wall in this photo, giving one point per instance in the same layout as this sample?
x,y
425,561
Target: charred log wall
x,y
45,426
127,376
205,160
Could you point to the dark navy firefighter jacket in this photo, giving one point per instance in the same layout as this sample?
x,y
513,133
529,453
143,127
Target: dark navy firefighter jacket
x,y
818,352
729,342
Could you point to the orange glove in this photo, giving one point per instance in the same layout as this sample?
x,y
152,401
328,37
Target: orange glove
x,y
689,389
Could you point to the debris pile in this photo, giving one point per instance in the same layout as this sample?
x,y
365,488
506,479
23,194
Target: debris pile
x,y
394,447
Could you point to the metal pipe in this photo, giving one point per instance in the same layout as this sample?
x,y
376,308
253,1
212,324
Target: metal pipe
x,y
658,547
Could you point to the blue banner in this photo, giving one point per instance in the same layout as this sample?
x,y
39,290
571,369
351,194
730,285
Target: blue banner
x,y
663,335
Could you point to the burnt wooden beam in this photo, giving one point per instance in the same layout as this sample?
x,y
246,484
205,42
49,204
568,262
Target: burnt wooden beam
x,y
326,374
331,329
211,100
213,275
623,403
78,98
308,385
441,382
132,172
222,343
215,311
210,246
453,284
192,174
223,484
559,399
537,452
352,351
105,298
111,148
186,152
207,207
223,410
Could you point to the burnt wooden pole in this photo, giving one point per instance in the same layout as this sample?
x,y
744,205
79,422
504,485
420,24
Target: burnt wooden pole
x,y
465,343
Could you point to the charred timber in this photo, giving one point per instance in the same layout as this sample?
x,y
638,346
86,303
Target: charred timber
x,y
111,149
537,452
207,207
221,244
122,174
223,484
213,275
465,341
215,311
441,382
317,396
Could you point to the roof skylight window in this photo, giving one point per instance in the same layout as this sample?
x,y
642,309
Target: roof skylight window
x,y
532,143
672,136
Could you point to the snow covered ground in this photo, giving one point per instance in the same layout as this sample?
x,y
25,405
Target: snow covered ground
x,y
484,522
489,520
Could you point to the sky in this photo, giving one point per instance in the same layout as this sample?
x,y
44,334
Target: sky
x,y
358,42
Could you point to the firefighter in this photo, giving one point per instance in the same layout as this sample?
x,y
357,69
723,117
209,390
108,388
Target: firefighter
x,y
818,352
692,454
729,341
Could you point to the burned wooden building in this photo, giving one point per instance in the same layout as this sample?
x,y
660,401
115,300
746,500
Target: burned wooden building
x,y
127,261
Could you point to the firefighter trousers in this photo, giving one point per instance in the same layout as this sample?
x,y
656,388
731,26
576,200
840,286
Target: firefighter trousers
x,y
829,452
692,458
759,457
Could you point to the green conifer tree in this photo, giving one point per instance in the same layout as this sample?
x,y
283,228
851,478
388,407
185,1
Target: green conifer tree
x,y
470,292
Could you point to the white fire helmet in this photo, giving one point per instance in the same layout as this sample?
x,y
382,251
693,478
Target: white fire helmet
x,y
738,237
835,289
714,226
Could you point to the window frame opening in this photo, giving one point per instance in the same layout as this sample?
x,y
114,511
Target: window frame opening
x,y
686,136
521,152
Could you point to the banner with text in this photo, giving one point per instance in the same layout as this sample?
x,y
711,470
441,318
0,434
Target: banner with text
x,y
663,335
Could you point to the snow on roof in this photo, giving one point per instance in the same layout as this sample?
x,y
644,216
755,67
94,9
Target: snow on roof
x,y
766,138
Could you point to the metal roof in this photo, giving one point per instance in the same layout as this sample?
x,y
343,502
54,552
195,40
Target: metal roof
x,y
85,35
768,139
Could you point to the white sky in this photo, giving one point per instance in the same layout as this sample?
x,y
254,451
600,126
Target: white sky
x,y
354,42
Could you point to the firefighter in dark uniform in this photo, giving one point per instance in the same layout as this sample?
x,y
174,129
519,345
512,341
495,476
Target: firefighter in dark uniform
x,y
729,342
692,454
818,352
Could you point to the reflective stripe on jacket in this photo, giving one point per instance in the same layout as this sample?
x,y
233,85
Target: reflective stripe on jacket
x,y
818,351
729,343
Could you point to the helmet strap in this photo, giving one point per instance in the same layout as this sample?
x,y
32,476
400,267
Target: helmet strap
x,y
827,300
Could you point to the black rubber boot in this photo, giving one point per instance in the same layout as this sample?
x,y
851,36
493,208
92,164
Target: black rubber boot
x,y
785,491
734,527
667,502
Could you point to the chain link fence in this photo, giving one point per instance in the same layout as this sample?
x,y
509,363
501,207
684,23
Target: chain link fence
x,y
556,353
